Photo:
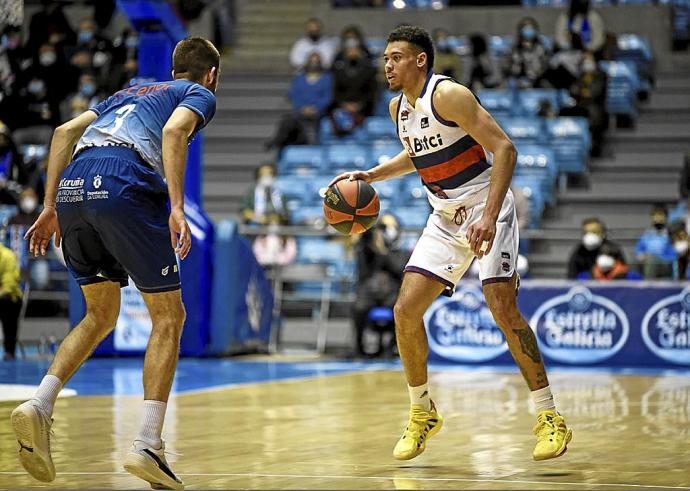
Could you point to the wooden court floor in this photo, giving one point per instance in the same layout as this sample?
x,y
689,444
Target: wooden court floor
x,y
337,432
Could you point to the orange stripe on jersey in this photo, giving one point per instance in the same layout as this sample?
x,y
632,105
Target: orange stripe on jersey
x,y
453,166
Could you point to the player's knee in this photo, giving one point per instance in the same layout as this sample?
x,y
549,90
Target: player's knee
x,y
171,323
405,313
505,313
103,316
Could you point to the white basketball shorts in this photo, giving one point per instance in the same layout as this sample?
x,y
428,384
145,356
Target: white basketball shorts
x,y
443,253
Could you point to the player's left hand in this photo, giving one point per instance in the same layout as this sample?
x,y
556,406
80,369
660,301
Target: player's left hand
x,y
178,226
40,233
479,232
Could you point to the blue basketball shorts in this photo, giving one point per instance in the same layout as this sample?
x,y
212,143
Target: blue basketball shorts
x,y
113,214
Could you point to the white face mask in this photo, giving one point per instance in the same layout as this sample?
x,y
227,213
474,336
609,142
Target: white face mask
x,y
266,181
605,262
28,205
591,241
681,247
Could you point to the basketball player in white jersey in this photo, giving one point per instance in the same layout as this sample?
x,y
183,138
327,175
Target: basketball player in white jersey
x,y
466,163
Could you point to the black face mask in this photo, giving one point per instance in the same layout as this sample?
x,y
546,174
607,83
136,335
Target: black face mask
x,y
314,36
659,225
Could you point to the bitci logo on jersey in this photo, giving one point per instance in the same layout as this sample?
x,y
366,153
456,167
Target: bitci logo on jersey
x,y
666,328
580,327
461,328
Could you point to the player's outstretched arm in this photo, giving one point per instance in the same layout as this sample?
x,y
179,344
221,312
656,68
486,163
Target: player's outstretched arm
x,y
399,165
456,103
62,145
176,133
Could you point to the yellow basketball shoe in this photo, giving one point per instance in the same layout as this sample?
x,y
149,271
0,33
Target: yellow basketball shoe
x,y
422,426
32,429
553,435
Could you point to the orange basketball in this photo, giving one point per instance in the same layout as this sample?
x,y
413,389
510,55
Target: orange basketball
x,y
351,207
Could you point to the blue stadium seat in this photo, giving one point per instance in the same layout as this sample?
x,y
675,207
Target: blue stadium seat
x,y
381,152
301,159
531,189
524,130
622,88
531,98
326,135
295,192
380,128
389,193
316,187
499,102
307,215
342,157
412,192
500,46
571,142
412,216
539,165
384,99
320,250
376,46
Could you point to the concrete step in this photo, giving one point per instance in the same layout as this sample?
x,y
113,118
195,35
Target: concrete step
x,y
665,100
609,192
267,116
623,214
253,102
234,161
239,129
625,162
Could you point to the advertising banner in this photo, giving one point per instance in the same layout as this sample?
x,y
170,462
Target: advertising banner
x,y
576,323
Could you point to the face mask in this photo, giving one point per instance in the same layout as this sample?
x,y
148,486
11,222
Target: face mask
x,y
314,36
36,87
681,247
132,42
87,89
528,33
659,225
605,262
28,205
390,235
588,66
85,36
591,241
266,181
47,58
313,68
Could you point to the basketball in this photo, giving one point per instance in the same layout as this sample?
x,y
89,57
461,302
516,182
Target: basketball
x,y
351,207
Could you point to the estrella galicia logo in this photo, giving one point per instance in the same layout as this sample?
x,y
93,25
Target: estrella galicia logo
x,y
580,327
666,328
461,328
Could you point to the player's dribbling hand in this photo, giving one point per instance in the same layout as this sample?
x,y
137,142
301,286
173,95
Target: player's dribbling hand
x,y
479,232
40,233
351,176
179,227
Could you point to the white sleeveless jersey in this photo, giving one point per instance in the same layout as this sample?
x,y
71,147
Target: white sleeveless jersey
x,y
453,166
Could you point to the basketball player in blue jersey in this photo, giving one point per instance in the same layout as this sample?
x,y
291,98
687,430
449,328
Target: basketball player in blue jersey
x,y
109,209
466,163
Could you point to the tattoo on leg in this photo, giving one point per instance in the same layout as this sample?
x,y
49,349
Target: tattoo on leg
x,y
528,343
541,379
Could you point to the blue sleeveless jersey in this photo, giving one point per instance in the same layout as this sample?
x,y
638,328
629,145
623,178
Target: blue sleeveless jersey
x,y
135,117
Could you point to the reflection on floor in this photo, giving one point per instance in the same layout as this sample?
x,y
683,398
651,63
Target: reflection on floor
x,y
332,425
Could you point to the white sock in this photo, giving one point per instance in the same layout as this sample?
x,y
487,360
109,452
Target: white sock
x,y
152,423
47,393
420,396
543,399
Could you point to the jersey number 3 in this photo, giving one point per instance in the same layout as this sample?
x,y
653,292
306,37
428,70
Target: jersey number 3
x,y
122,114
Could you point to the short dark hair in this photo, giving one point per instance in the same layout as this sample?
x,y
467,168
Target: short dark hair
x,y
416,36
195,56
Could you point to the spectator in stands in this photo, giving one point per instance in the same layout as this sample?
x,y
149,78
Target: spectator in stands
x,y
50,25
589,92
86,96
347,36
581,28
608,267
274,248
99,47
264,201
528,60
354,89
654,249
41,112
380,263
28,209
483,72
584,256
679,237
11,164
10,300
446,61
680,212
313,41
311,94
17,55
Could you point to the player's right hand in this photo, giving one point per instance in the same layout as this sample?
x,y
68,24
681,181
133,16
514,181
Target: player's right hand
x,y
362,175
178,226
40,233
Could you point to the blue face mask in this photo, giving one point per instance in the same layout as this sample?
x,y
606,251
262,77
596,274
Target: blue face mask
x,y
131,42
528,33
36,87
85,36
87,89
443,44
